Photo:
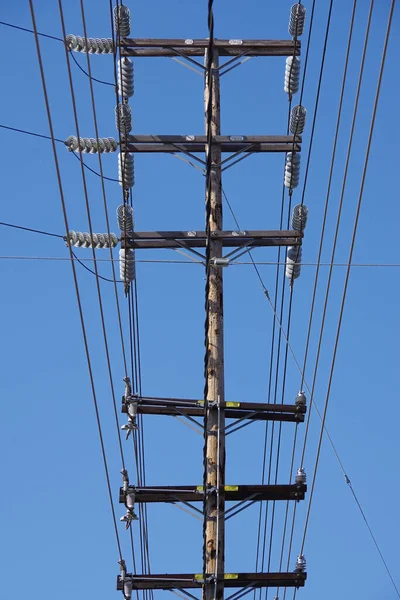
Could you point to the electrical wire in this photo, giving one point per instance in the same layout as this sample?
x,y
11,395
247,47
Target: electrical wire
x,y
355,228
88,212
58,39
46,137
83,327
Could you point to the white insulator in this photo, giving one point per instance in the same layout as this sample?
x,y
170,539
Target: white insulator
x,y
128,589
292,75
293,262
298,119
126,170
292,170
123,118
127,265
83,239
130,500
301,399
91,145
93,46
125,217
301,564
125,77
301,476
122,20
299,217
296,19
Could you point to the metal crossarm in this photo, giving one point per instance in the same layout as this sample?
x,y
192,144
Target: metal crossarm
x,y
233,410
230,580
233,493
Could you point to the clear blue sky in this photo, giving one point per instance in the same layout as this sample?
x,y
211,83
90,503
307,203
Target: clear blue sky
x,y
57,536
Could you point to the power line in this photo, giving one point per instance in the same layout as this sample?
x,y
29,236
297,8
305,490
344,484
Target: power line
x,y
46,137
83,327
57,39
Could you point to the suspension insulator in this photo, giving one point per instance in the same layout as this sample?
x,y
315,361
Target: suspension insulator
x,y
292,170
301,564
296,20
299,217
298,119
123,118
293,262
122,20
301,476
126,170
93,46
91,145
81,239
292,75
125,217
127,269
301,399
125,77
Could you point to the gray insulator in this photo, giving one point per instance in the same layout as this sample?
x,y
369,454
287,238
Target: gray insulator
x,y
81,239
126,170
123,118
299,217
127,265
293,262
301,476
122,20
292,170
93,46
300,564
125,77
125,217
91,145
298,119
301,399
292,75
296,19
130,500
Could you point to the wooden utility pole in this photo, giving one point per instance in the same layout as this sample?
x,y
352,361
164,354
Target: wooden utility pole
x,y
214,532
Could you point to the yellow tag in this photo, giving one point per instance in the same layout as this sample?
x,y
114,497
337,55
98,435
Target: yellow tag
x,y
198,576
231,576
232,404
200,402
231,488
200,488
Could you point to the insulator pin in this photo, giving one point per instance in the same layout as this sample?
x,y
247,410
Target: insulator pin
x,y
125,77
91,145
81,239
301,476
299,217
301,564
293,262
292,75
297,119
296,20
127,269
122,20
292,170
301,399
125,217
123,118
126,170
93,45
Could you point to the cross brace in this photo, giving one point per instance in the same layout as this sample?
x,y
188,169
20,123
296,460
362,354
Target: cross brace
x,y
233,410
196,47
233,493
231,580
198,239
